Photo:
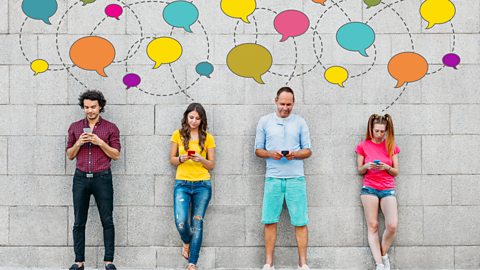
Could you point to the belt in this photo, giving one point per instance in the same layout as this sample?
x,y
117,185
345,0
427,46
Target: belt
x,y
92,175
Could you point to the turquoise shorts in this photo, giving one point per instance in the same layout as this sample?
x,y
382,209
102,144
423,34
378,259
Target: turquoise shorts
x,y
293,191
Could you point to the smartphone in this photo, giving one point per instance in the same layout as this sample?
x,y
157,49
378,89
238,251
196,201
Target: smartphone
x,y
285,152
376,161
191,153
87,130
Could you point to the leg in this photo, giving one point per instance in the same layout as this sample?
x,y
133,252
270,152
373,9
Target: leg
x,y
301,233
370,209
296,198
201,198
102,189
81,199
273,198
389,209
181,206
270,236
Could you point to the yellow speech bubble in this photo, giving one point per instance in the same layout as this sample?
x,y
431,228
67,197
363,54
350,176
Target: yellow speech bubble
x,y
437,11
39,66
164,50
336,75
249,60
238,9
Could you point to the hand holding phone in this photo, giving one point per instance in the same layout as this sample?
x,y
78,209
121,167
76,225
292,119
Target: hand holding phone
x,y
87,130
285,152
191,153
377,162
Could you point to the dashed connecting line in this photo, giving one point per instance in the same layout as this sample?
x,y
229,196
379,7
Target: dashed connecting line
x,y
317,50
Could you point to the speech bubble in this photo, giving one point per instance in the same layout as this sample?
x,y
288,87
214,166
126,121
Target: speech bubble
x,y
204,69
40,10
407,67
336,75
86,2
164,50
92,53
451,60
114,11
39,66
437,11
356,37
181,14
131,80
322,2
371,3
238,9
249,60
291,23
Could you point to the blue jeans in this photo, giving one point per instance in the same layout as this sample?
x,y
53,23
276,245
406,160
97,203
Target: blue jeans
x,y
197,194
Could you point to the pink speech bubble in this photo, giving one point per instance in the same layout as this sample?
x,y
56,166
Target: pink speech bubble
x,y
291,23
114,11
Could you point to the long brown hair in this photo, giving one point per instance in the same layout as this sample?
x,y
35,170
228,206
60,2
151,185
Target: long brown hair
x,y
388,122
202,128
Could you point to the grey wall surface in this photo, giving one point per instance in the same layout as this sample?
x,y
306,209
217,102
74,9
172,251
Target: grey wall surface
x,y
436,119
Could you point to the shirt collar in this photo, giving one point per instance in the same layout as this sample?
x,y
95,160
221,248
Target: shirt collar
x,y
85,121
280,120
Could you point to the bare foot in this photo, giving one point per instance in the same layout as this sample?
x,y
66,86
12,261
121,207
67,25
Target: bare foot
x,y
186,251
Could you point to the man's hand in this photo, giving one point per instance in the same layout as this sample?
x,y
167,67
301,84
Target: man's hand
x,y
93,138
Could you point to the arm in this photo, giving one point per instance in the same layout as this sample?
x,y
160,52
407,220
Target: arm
x,y
300,154
174,159
268,154
72,152
209,162
111,152
362,168
392,170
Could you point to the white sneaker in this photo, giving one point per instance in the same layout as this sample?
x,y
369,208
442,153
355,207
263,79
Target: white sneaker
x,y
380,267
268,267
386,262
304,267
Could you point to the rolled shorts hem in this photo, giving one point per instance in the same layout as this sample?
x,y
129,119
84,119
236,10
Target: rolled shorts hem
x,y
266,222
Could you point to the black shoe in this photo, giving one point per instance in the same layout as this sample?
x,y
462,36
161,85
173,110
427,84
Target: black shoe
x,y
110,266
76,267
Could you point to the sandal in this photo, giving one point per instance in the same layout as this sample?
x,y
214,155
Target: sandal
x,y
191,266
186,251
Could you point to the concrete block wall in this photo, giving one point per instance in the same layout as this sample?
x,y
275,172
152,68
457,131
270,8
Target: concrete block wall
x,y
436,120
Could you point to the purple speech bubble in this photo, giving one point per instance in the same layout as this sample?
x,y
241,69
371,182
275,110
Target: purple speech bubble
x,y
131,80
451,60
291,23
114,11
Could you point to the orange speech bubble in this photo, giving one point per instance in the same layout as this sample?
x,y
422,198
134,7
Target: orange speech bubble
x,y
92,53
407,67
320,1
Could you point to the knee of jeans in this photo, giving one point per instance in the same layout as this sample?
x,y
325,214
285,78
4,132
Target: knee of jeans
x,y
197,223
107,222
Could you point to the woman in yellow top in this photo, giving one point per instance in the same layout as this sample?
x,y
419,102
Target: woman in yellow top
x,y
192,151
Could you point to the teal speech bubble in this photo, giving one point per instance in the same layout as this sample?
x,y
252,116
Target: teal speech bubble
x,y
40,9
204,69
181,14
356,37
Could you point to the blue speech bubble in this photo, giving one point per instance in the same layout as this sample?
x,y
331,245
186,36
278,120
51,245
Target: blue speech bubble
x,y
204,69
356,37
40,9
181,14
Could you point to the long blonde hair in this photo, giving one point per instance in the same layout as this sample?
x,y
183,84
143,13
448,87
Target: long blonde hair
x,y
382,120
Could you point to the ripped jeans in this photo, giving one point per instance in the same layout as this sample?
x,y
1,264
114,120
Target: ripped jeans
x,y
197,194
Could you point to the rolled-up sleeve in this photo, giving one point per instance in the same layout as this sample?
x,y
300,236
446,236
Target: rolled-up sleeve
x,y
71,137
305,136
260,135
114,140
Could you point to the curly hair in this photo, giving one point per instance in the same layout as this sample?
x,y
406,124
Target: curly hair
x,y
93,95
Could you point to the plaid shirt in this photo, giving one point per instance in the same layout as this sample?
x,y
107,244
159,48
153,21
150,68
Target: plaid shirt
x,y
90,157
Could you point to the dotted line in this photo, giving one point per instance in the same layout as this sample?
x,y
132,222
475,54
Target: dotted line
x,y
399,16
20,40
371,66
336,4
58,49
256,29
399,95
95,28
453,49
148,1
141,34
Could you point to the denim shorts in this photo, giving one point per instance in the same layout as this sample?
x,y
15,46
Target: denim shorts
x,y
376,192
291,190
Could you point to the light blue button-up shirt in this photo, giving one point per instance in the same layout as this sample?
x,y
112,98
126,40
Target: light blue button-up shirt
x,y
276,133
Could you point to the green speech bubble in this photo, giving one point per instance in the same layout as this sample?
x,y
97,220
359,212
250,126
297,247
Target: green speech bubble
x,y
249,60
371,3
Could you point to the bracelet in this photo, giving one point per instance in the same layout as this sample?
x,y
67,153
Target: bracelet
x,y
179,159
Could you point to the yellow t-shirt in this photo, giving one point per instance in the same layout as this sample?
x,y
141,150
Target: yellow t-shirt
x,y
191,170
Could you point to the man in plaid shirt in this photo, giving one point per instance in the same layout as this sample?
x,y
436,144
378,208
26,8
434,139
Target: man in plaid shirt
x,y
93,141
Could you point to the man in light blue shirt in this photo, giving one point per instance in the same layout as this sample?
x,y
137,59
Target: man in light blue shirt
x,y
283,139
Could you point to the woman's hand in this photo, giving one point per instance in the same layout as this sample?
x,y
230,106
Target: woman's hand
x,y
183,158
383,166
